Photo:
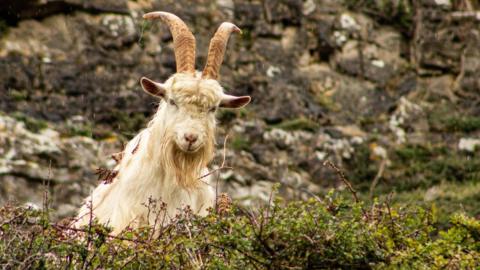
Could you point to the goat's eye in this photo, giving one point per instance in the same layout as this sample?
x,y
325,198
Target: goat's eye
x,y
172,102
212,110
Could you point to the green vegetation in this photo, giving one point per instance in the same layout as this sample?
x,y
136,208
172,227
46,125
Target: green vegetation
x,y
331,233
413,167
298,124
461,124
240,143
3,27
128,124
361,169
32,124
246,38
79,130
18,95
227,115
444,199
421,166
327,102
445,118
430,176
146,25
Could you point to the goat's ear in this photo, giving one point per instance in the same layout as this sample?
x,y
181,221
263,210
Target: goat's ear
x,y
229,101
153,88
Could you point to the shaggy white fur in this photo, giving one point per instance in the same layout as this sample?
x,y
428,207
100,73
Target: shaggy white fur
x,y
165,161
157,164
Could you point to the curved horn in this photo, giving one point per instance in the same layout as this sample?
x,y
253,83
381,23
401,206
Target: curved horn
x,y
216,50
183,40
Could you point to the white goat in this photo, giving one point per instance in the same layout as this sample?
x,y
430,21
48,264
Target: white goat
x,y
165,161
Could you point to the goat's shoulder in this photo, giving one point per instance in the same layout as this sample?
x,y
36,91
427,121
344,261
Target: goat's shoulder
x,y
132,148
133,145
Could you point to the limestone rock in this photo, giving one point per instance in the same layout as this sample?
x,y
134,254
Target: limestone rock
x,y
31,163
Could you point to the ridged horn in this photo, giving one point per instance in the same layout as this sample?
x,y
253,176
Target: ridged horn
x,y
183,40
216,50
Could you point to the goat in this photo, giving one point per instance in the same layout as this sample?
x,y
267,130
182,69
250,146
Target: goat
x,y
165,161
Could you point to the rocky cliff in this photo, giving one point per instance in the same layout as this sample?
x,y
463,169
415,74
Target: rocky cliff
x,y
387,90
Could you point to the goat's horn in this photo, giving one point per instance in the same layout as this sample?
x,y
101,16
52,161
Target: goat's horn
x,y
183,40
216,50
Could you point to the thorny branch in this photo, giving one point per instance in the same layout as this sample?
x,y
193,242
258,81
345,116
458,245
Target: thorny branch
x,y
392,222
110,236
342,177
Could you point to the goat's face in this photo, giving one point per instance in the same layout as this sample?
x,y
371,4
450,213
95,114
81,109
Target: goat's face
x,y
191,98
190,103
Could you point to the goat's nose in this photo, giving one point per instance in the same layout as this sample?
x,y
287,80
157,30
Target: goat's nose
x,y
191,138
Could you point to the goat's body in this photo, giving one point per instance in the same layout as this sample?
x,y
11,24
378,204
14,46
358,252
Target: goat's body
x,y
165,161
142,177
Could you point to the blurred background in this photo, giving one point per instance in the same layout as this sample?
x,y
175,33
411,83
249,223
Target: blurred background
x,y
389,91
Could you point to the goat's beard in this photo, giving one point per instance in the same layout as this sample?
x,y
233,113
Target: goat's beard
x,y
187,166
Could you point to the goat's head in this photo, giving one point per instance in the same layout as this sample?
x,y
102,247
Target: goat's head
x,y
192,98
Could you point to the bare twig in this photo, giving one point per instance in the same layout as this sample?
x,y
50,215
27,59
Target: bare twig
x,y
392,222
89,234
379,175
46,186
342,177
218,175
110,236
361,58
223,161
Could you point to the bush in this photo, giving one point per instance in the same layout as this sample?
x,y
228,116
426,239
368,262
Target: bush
x,y
331,232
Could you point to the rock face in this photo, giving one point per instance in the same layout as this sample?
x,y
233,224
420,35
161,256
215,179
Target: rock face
x,y
32,163
328,81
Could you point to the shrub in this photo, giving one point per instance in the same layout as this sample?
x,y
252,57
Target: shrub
x,y
421,166
298,124
331,232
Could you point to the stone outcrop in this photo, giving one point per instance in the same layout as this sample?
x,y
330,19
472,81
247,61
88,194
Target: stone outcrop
x,y
330,80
